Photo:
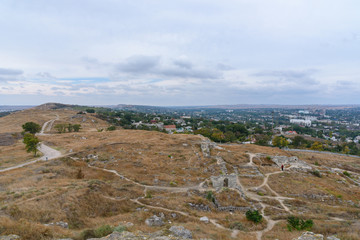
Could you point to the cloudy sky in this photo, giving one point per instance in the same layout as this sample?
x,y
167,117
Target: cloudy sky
x,y
185,52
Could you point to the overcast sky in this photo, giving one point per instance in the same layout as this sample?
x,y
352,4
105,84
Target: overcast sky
x,y
185,52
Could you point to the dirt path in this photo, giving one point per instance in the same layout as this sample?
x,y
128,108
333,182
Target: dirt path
x,y
48,152
270,223
47,126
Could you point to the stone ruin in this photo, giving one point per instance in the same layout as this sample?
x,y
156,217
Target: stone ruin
x,y
294,162
224,181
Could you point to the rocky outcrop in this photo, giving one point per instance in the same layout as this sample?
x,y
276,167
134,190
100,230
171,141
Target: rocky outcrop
x,y
154,221
313,236
59,224
9,237
139,236
180,231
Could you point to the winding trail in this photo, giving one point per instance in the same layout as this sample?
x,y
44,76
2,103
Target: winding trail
x,y
48,152
47,126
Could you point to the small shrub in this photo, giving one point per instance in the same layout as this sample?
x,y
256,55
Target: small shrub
x,y
210,196
79,174
111,128
317,163
299,224
173,184
316,173
148,195
347,174
103,231
88,233
120,228
254,216
237,226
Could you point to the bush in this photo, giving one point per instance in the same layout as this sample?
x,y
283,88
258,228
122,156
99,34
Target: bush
x,y
237,226
103,231
90,110
111,128
210,196
316,173
148,195
299,224
347,174
120,228
254,216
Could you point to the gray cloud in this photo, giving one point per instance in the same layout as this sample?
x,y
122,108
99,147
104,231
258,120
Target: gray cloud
x,y
183,63
139,64
155,65
10,72
287,76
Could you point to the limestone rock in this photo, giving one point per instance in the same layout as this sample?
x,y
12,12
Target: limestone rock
x,y
154,221
9,237
180,231
59,224
332,238
310,236
204,219
137,236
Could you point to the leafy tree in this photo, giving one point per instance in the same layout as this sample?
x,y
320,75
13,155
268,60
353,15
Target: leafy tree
x,y
31,143
76,127
61,128
90,110
254,215
217,135
31,127
280,141
317,146
298,141
69,127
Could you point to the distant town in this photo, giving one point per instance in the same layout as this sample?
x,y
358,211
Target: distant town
x,y
320,128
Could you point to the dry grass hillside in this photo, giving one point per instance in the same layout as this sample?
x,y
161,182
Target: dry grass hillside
x,y
126,176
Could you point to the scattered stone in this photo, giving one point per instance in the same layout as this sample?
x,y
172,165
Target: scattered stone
x,y
154,221
173,215
310,236
59,224
332,238
204,219
180,231
9,237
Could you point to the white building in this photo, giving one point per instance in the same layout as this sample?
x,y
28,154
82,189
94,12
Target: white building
x,y
302,122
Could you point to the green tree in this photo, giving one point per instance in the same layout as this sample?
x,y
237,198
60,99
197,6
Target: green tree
x,y
217,135
76,127
69,127
90,110
61,128
298,141
31,127
31,143
280,141
317,146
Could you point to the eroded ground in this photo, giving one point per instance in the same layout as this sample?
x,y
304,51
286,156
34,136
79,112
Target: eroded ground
x,y
127,176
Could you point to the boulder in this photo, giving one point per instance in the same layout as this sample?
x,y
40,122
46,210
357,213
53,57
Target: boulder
x,y
204,219
154,221
180,231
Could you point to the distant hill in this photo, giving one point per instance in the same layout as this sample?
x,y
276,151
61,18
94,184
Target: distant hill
x,y
53,106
